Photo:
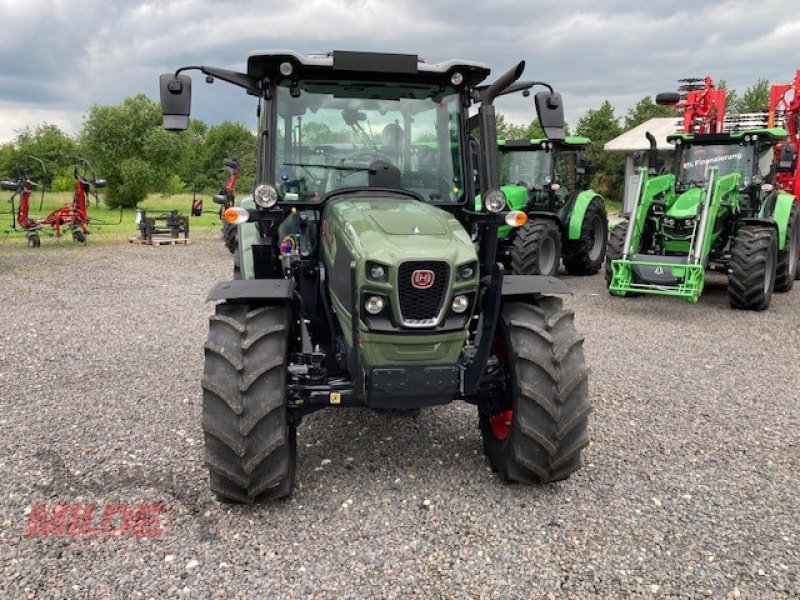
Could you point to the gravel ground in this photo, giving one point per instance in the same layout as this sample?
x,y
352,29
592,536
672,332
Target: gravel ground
x,y
689,489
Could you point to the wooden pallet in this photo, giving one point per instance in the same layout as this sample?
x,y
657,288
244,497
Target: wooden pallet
x,y
160,241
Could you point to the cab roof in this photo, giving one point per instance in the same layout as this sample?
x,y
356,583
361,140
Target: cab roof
x,y
378,66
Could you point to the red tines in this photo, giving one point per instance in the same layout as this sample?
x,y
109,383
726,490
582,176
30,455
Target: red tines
x,y
703,109
784,105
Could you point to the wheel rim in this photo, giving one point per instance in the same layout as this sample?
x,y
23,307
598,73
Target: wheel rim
x,y
596,238
547,256
501,424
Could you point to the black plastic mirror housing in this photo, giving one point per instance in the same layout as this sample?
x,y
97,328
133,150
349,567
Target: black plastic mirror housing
x,y
550,111
176,101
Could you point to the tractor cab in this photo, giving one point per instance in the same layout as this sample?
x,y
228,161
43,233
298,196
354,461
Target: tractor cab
x,y
549,170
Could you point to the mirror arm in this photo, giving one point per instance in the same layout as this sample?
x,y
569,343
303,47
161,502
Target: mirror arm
x,y
251,84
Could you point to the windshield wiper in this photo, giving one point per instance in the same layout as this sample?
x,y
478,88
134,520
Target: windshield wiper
x,y
353,168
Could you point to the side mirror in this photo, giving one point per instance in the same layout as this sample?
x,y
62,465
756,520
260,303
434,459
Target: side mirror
x,y
550,111
787,159
220,199
100,183
583,167
668,98
176,101
9,185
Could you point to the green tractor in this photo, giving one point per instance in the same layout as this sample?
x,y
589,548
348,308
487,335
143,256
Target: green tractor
x,y
548,179
717,210
368,279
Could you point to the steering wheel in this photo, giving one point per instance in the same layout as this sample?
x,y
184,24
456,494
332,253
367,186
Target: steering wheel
x,y
357,159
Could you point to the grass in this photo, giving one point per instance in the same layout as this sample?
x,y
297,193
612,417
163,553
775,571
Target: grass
x,y
107,225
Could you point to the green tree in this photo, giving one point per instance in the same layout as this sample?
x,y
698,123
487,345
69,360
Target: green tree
x,y
600,125
644,110
114,138
731,96
229,140
755,98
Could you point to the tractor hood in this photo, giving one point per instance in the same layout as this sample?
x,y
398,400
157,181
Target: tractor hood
x,y
687,205
390,228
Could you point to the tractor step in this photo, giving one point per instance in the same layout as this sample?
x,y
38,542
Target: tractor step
x,y
657,275
160,241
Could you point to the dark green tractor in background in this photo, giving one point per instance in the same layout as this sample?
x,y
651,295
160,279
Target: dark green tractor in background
x,y
369,279
549,179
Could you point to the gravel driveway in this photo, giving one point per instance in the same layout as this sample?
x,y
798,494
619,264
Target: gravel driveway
x,y
690,488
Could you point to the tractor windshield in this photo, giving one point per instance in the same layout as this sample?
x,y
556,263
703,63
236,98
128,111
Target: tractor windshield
x,y
527,168
730,158
337,135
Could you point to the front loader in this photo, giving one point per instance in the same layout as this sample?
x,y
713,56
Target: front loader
x,y
367,278
718,210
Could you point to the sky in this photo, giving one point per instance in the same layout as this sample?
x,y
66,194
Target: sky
x,y
60,57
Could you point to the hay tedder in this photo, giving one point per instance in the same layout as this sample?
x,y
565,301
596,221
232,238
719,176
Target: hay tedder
x,y
720,209
22,187
74,215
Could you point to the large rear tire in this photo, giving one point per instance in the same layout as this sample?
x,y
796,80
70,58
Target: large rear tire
x,y
585,255
751,278
536,249
786,271
536,430
250,448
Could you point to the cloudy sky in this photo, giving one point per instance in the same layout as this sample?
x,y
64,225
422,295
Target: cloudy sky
x,y
59,57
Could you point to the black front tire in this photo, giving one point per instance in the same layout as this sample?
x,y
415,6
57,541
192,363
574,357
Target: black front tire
x,y
536,249
787,269
34,241
79,236
751,277
237,265
585,255
616,244
229,237
250,448
538,434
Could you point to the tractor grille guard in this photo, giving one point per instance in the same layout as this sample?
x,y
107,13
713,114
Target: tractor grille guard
x,y
422,306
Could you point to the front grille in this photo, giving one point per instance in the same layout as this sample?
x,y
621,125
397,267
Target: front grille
x,y
420,307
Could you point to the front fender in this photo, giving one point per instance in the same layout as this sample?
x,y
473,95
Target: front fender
x,y
576,212
777,209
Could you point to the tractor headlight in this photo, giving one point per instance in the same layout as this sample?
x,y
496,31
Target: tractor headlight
x,y
688,222
457,78
376,272
374,305
466,272
265,196
460,304
495,201
286,68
